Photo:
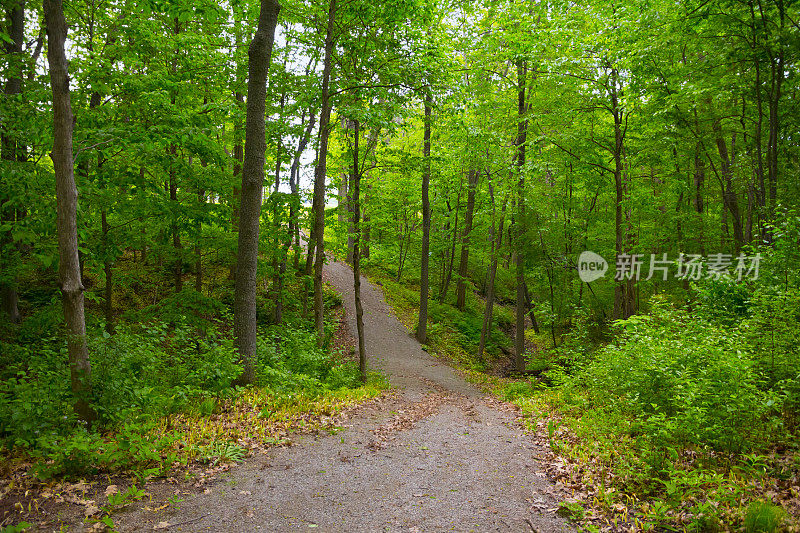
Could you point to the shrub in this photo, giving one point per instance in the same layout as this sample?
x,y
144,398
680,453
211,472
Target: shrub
x,y
684,380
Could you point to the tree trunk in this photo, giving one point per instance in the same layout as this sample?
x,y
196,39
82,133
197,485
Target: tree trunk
x,y
198,252
623,290
294,185
356,181
424,282
461,286
317,241
699,187
531,312
9,300
522,128
365,226
497,241
451,260
729,198
774,94
108,270
67,204
244,310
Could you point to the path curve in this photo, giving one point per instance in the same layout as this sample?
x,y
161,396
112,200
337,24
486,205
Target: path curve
x,y
439,457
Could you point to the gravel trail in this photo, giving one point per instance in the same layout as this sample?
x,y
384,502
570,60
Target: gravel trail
x,y
439,456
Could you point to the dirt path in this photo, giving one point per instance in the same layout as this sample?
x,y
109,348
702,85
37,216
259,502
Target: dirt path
x,y
438,457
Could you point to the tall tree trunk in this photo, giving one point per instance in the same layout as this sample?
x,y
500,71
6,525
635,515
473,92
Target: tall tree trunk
x,y
198,252
777,75
699,189
461,286
424,281
317,241
244,310
497,241
238,136
531,310
9,300
522,130
452,256
366,233
67,204
294,185
729,198
177,265
356,180
623,290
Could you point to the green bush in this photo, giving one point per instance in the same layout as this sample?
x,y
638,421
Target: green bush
x,y
684,380
157,368
763,517
34,393
290,359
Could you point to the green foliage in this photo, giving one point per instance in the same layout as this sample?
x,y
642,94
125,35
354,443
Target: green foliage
x,y
158,368
684,380
763,517
17,528
724,300
289,359
142,373
187,307
571,510
517,390
222,452
118,500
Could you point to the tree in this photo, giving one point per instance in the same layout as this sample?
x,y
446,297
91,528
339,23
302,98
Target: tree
x,y
356,179
317,241
520,233
424,282
260,53
10,152
69,271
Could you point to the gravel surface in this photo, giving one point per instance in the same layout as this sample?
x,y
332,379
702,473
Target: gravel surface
x,y
438,456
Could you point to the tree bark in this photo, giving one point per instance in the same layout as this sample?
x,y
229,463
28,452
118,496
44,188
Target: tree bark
x,y
9,300
729,198
362,354
461,286
522,128
448,266
424,282
497,241
67,204
774,97
317,241
623,290
244,312
294,185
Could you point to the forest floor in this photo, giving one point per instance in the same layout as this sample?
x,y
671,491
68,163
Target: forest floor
x,y
437,455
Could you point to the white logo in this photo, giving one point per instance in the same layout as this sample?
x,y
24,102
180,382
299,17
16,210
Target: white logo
x,y
591,266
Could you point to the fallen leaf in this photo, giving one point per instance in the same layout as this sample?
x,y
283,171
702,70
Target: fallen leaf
x,y
111,489
91,510
162,525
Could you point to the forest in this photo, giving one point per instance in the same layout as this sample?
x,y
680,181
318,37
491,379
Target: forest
x,y
589,210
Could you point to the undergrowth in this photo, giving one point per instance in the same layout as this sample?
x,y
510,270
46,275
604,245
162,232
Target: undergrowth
x,y
163,390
